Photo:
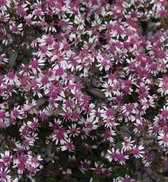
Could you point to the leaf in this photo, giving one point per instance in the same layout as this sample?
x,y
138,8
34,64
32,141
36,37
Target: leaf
x,y
97,93
50,179
40,102
118,145
12,58
96,179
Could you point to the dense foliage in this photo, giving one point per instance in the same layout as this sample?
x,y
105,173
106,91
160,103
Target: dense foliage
x,y
83,90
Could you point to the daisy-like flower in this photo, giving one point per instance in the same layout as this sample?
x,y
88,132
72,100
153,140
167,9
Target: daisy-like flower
x,y
108,135
112,87
107,171
164,112
44,114
75,63
129,111
98,169
126,87
6,158
139,124
17,113
120,157
59,135
50,27
127,144
20,163
110,123
44,81
138,151
59,72
11,79
104,62
36,65
147,102
95,113
108,118
67,173
29,107
107,89
3,115
21,10
4,175
36,90
163,139
27,143
154,130
119,31
47,40
29,20
107,113
4,16
25,70
163,86
37,10
73,130
148,160
17,29
34,160
44,52
85,165
88,125
69,146
4,4
117,156
3,59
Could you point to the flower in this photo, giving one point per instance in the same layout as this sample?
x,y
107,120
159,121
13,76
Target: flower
x,y
127,144
163,85
68,146
138,151
4,175
163,139
3,59
116,156
81,77
148,159
17,29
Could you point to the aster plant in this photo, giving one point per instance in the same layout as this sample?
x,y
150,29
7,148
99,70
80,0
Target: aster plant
x,y
83,90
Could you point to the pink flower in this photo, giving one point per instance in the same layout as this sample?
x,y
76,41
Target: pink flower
x,y
117,156
163,85
138,151
68,146
127,144
16,29
163,139
4,177
21,10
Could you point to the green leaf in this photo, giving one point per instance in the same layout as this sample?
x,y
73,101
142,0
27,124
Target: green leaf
x,y
50,179
96,179
12,58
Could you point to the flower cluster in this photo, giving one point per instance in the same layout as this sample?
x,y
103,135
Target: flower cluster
x,y
83,89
